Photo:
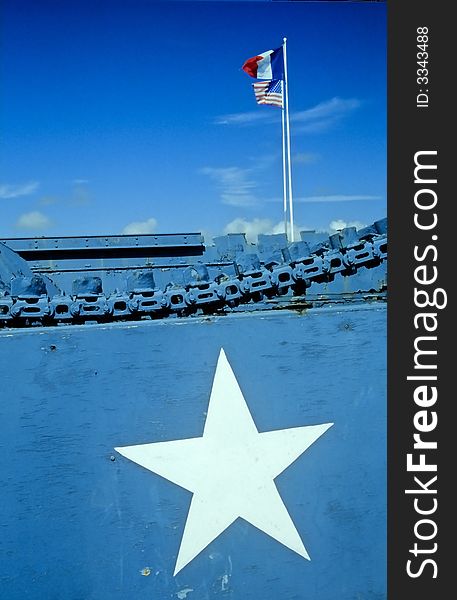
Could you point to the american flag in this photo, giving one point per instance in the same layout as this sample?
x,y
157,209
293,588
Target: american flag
x,y
269,92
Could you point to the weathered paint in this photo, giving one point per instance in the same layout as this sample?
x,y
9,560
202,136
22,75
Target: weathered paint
x,y
80,522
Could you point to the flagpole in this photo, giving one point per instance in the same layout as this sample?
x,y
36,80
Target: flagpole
x,y
284,181
289,170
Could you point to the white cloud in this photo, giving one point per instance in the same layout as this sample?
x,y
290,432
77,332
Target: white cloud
x,y
16,190
235,185
258,226
322,116
48,200
246,118
33,221
305,158
329,198
250,228
341,224
236,199
337,198
138,227
79,181
316,119
330,108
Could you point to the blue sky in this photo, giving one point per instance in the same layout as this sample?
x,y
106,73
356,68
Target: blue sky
x,y
121,117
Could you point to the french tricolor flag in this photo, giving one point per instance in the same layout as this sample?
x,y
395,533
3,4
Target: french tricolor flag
x,y
268,65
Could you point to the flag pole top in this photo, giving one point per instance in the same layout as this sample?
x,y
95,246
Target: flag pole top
x,y
284,39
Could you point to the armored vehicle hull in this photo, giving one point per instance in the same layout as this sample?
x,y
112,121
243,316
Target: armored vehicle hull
x,y
93,508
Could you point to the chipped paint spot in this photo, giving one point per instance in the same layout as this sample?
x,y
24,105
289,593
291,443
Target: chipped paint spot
x,y
146,571
224,583
182,594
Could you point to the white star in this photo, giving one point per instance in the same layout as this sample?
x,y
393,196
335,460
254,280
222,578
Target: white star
x,y
230,469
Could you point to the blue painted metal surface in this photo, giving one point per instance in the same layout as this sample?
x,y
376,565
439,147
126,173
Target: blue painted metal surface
x,y
77,524
141,321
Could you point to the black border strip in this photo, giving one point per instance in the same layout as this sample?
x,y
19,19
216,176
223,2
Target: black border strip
x,y
410,130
